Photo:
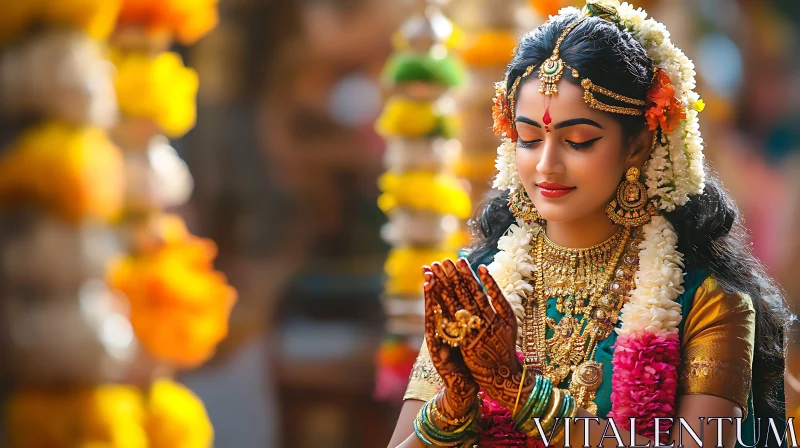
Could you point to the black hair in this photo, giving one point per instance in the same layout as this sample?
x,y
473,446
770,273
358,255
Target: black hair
x,y
710,231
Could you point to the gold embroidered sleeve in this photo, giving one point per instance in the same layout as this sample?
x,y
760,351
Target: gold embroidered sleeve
x,y
717,346
424,382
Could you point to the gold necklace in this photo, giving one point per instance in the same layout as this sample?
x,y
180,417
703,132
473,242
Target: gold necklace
x,y
578,273
572,347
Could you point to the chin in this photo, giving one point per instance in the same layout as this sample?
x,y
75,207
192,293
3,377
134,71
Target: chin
x,y
549,214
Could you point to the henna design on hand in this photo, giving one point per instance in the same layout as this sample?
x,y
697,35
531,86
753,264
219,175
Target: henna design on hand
x,y
460,388
490,352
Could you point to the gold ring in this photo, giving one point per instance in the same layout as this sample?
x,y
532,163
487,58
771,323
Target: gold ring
x,y
452,333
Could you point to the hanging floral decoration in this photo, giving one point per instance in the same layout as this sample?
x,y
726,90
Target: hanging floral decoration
x,y
74,172
167,415
158,87
186,20
179,305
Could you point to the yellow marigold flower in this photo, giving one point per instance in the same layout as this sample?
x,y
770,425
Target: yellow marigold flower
x,y
96,17
699,105
75,172
177,418
179,305
406,118
404,268
106,416
157,87
421,190
187,20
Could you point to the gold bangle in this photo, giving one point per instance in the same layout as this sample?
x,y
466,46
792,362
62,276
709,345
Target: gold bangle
x,y
441,417
535,431
552,412
519,391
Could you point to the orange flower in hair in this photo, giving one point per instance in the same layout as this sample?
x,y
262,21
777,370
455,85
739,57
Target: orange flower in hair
x,y
501,116
666,111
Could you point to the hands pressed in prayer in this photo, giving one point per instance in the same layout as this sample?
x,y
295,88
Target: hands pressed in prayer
x,y
460,389
490,351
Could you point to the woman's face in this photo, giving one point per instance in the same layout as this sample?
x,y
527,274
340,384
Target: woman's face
x,y
573,171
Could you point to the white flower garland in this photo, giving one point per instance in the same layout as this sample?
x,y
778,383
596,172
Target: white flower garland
x,y
659,278
659,281
513,265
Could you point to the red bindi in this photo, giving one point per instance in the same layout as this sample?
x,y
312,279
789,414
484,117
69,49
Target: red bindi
x,y
546,118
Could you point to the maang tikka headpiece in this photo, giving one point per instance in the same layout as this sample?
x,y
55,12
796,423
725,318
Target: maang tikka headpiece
x,y
550,72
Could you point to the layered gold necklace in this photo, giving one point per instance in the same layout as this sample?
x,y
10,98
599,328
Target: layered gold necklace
x,y
589,285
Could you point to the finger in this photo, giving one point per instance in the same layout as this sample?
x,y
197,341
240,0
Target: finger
x,y
469,279
444,290
431,304
463,292
499,301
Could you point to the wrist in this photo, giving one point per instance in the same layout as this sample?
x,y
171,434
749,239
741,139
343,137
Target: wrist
x,y
451,411
522,388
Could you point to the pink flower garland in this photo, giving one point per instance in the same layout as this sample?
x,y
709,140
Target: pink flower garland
x,y
645,379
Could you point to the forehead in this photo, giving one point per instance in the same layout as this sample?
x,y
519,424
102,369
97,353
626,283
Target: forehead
x,y
567,103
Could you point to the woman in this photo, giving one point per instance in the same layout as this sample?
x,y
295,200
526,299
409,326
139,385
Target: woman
x,y
619,281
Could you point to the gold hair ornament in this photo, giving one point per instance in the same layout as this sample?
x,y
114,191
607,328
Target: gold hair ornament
x,y
552,69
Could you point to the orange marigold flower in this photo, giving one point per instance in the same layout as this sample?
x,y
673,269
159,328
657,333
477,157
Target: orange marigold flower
x,y
501,117
179,304
666,111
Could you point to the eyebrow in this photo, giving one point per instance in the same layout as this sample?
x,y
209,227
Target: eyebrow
x,y
563,124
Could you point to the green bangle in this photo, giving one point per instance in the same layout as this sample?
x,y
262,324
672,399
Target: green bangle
x,y
434,439
544,399
434,432
542,402
526,409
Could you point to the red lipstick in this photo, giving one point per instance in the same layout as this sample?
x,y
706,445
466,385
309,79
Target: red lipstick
x,y
553,190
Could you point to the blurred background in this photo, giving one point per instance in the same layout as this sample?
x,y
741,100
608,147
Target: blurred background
x,y
214,213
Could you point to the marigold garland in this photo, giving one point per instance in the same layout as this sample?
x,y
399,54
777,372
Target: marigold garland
x,y
176,418
168,415
186,20
74,172
96,17
490,49
108,416
403,268
406,118
179,305
423,190
158,87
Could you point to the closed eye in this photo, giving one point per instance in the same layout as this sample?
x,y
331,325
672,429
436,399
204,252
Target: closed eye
x,y
527,144
583,145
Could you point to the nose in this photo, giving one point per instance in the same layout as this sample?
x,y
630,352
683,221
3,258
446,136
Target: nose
x,y
550,161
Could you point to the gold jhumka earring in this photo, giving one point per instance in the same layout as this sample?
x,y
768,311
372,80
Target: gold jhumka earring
x,y
522,207
631,208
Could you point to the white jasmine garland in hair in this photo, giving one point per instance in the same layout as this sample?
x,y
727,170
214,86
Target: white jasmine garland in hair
x,y
675,172
506,163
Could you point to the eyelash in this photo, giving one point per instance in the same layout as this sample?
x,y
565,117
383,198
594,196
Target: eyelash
x,y
583,145
577,146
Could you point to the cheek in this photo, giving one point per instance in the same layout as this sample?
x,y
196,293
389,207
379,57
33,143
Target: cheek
x,y
527,159
597,174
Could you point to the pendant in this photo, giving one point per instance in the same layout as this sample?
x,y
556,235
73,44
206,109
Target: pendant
x,y
584,384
